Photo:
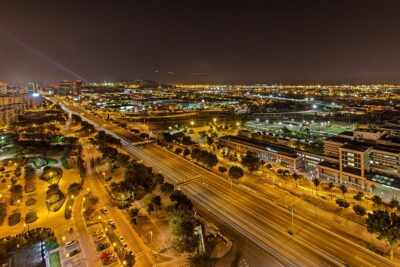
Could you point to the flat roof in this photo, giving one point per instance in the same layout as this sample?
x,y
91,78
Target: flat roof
x,y
384,180
329,165
385,148
365,130
337,139
262,145
356,147
347,133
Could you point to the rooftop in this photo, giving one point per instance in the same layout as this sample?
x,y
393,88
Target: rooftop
x,y
355,147
262,145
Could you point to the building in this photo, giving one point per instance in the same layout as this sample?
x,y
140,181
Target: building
x,y
264,150
363,162
77,87
366,134
12,105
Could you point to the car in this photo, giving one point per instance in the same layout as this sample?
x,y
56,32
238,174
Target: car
x,y
125,245
101,238
98,232
70,244
121,238
102,246
104,210
111,222
73,253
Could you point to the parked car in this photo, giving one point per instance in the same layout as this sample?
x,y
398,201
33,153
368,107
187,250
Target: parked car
x,y
98,232
70,244
102,246
104,210
73,253
100,238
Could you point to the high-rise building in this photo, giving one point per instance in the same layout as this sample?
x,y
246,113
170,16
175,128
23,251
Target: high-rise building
x,y
77,87
65,88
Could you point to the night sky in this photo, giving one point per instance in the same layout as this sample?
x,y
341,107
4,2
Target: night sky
x,y
327,42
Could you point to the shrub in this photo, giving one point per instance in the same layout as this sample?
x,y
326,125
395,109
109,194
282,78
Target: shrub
x,y
167,188
31,217
74,188
14,219
3,212
359,210
342,203
68,208
30,202
358,196
222,169
377,200
236,172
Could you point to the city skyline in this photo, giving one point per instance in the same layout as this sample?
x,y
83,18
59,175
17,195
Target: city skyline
x,y
276,42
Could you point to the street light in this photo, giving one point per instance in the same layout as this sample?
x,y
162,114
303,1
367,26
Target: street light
x,y
192,123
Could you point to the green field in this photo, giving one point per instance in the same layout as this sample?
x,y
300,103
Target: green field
x,y
55,259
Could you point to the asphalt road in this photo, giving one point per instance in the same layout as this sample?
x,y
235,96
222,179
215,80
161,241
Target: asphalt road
x,y
260,220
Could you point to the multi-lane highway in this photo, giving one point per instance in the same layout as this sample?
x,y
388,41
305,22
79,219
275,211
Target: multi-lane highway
x,y
260,220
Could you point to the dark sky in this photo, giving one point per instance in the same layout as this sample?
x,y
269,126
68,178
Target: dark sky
x,y
198,41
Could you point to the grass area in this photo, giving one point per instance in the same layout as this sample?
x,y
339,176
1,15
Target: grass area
x,y
39,162
55,259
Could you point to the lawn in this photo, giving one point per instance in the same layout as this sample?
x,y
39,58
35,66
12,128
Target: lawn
x,y
55,259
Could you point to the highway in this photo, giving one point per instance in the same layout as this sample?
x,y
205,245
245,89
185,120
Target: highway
x,y
260,220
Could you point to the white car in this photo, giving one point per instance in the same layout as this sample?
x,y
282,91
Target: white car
x,y
98,232
104,210
70,244
101,238
111,222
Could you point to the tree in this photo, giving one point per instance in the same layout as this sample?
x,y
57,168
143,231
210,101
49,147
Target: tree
x,y
343,189
201,260
296,177
133,214
394,203
316,182
122,159
377,200
167,188
186,152
235,172
156,201
182,202
222,169
359,210
330,187
358,196
210,141
251,161
342,203
178,150
269,166
159,178
150,208
387,226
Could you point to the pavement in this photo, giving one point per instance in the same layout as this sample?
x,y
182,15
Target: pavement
x,y
248,213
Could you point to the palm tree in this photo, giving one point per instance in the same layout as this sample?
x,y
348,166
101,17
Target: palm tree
x,y
316,182
330,186
296,177
343,188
